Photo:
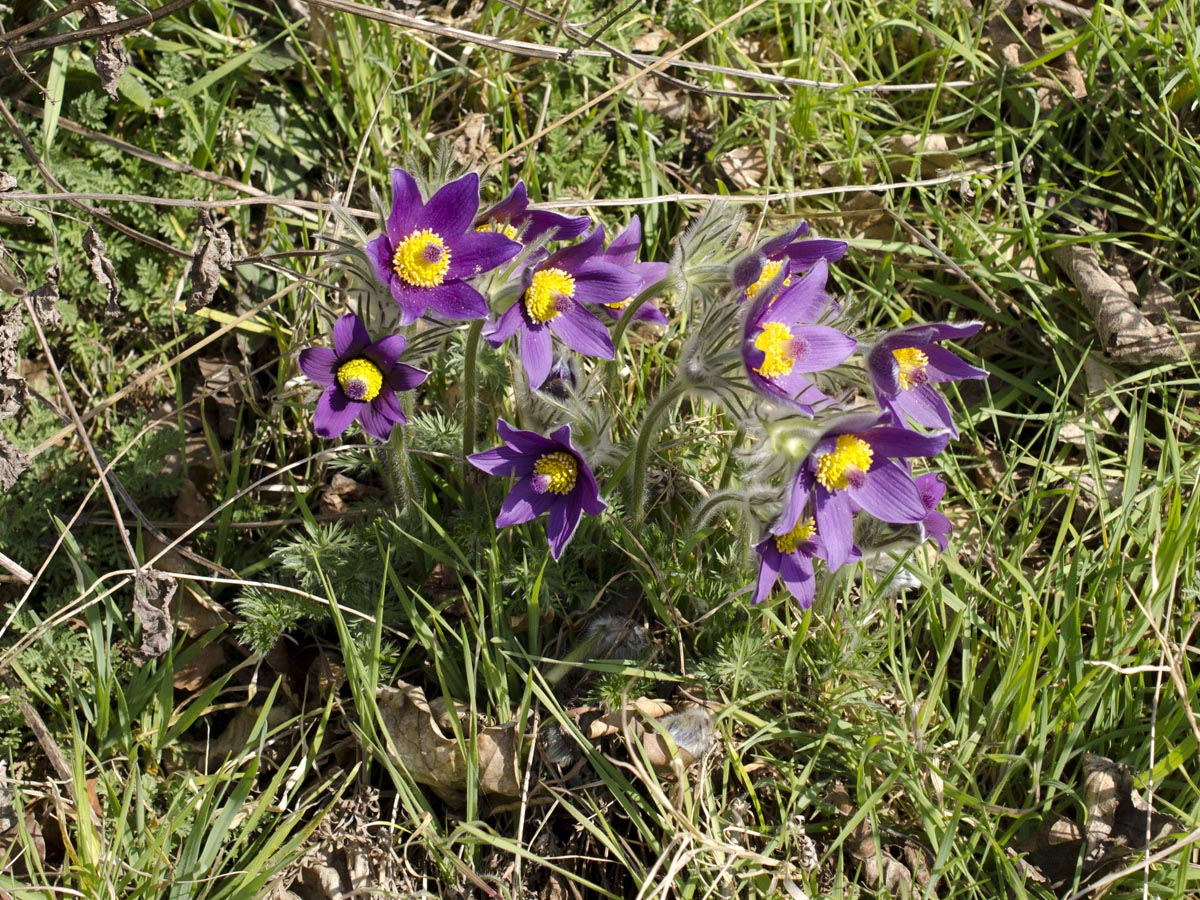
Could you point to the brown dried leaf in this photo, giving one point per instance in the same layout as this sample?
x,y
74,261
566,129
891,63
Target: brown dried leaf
x,y
7,182
12,385
878,869
745,167
193,674
214,257
152,595
422,734
44,298
102,268
13,461
111,56
1015,30
611,723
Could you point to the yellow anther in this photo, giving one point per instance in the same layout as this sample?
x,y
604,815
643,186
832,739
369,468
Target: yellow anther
x,y
544,292
360,379
787,543
422,259
851,454
558,470
775,342
770,270
505,229
912,367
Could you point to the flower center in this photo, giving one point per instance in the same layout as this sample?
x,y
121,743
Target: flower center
x,y
555,472
787,543
775,342
360,380
544,296
912,367
846,464
504,228
770,270
620,304
422,259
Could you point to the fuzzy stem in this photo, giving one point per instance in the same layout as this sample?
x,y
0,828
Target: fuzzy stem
x,y
397,470
470,383
645,443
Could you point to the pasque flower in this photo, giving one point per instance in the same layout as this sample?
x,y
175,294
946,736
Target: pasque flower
x,y
427,251
789,254
553,477
779,345
935,524
789,556
552,304
513,218
859,463
623,251
361,380
906,363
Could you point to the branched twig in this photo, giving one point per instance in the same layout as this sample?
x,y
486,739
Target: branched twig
x,y
83,34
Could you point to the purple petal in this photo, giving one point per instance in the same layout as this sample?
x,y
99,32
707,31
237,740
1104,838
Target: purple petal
x,y
884,370
319,364
564,519
920,335
559,226
530,442
405,377
797,500
406,206
523,504
768,569
925,406
804,254
503,461
387,404
582,332
511,208
932,489
506,326
451,211
888,493
571,258
797,573
938,527
374,421
457,300
537,353
385,351
946,366
774,248
350,336
413,300
624,247
891,442
823,348
833,513
477,252
801,301
600,282
380,251
335,412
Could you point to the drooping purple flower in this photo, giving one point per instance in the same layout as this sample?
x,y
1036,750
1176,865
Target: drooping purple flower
x,y
907,363
552,304
427,251
779,346
361,380
513,218
553,477
789,556
935,524
859,463
623,251
787,255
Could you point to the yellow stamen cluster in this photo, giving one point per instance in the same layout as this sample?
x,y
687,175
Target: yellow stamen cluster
x,y
544,292
787,543
912,367
775,342
422,259
560,469
770,270
509,231
620,304
850,454
360,380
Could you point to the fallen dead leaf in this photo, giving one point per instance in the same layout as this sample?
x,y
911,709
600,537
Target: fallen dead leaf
x,y
745,167
152,595
422,733
213,258
111,56
44,298
193,674
1015,31
880,869
95,250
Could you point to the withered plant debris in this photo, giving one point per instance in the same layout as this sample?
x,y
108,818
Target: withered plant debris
x,y
879,867
152,595
7,182
111,56
1015,30
423,735
214,257
10,282
102,268
1126,333
45,297
1117,821
690,730
12,385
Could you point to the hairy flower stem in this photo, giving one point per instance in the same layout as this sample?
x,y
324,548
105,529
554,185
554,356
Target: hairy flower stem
x,y
397,469
470,387
645,443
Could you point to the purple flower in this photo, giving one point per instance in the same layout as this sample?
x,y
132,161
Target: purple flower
x,y
789,555
428,250
907,363
935,524
552,304
513,218
779,347
859,464
623,251
553,477
361,380
787,255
